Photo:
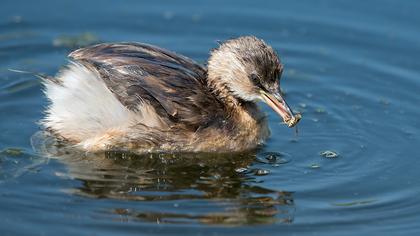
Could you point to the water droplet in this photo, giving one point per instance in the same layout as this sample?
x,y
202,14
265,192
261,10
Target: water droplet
x,y
315,166
241,170
329,154
273,158
262,172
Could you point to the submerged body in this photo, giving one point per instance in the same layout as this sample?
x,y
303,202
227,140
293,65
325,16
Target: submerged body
x,y
138,97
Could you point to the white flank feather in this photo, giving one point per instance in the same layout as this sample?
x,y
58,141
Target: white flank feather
x,y
82,107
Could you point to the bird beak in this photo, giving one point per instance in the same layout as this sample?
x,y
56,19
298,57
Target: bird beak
x,y
279,105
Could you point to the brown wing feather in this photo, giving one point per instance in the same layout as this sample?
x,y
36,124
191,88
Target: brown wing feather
x,y
175,85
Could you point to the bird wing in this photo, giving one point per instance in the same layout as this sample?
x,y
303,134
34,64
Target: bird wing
x,y
136,73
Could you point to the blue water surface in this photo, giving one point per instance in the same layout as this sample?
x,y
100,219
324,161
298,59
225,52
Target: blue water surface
x,y
351,69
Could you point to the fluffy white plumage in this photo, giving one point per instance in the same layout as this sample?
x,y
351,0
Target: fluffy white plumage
x,y
83,109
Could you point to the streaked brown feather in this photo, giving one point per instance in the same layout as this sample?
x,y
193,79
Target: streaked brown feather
x,y
174,85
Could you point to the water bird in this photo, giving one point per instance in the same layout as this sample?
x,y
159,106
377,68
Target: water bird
x,y
143,98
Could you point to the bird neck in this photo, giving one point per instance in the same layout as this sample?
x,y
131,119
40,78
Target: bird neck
x,y
248,120
223,93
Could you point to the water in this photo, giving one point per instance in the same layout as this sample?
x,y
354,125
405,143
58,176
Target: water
x,y
351,68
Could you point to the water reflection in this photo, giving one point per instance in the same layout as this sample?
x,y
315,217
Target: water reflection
x,y
184,188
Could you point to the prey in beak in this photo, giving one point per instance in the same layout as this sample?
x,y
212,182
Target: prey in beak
x,y
279,105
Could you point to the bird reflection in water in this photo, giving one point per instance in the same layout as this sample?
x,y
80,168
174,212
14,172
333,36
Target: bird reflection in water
x,y
177,188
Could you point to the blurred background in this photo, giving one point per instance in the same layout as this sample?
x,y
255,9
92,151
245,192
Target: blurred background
x,y
351,69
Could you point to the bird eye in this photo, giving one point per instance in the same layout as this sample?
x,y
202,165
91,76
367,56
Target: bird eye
x,y
255,79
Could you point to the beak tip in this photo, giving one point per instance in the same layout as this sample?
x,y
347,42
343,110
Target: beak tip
x,y
294,120
278,104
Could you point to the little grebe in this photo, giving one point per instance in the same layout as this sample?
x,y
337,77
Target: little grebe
x,y
142,98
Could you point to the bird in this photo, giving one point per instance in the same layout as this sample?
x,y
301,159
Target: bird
x,y
138,97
